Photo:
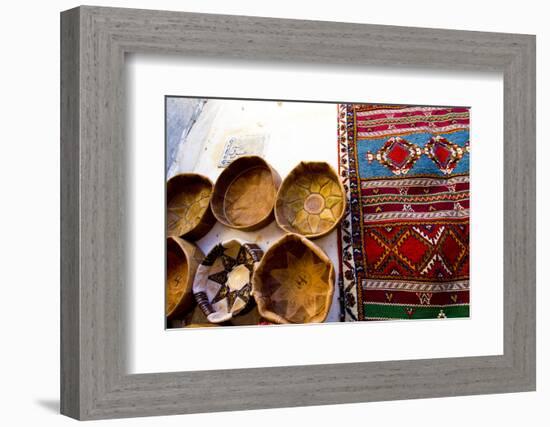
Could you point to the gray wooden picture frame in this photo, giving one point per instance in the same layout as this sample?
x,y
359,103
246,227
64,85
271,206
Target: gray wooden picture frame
x,y
94,268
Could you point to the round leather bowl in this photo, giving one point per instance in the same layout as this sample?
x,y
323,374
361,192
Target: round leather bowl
x,y
182,260
188,212
294,282
244,194
311,200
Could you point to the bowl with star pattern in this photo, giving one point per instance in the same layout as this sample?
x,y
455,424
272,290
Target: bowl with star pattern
x,y
294,282
311,200
188,213
222,285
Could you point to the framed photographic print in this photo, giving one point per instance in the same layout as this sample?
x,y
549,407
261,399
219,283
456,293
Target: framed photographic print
x,y
286,213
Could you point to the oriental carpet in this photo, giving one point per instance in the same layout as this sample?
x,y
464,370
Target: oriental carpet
x,y
404,239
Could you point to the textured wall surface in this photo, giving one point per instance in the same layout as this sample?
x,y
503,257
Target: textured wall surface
x,y
181,114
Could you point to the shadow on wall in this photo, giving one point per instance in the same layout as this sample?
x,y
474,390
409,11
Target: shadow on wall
x,y
51,405
181,114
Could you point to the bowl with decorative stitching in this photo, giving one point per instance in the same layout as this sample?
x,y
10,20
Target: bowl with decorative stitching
x,y
311,200
244,194
294,282
188,213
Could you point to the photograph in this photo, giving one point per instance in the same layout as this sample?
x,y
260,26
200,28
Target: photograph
x,y
295,212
